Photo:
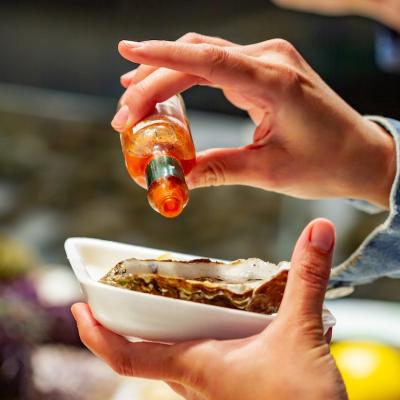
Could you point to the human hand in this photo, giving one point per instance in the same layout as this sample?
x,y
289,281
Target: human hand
x,y
308,142
384,11
289,359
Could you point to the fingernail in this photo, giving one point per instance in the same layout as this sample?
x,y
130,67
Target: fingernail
x,y
127,78
128,75
322,236
73,311
120,119
131,44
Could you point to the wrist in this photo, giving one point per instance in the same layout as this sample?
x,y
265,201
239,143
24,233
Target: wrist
x,y
373,164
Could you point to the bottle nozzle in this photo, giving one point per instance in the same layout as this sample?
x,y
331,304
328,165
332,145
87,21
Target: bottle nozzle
x,y
171,207
167,191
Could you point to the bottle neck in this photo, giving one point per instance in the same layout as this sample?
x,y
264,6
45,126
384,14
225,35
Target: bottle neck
x,y
163,167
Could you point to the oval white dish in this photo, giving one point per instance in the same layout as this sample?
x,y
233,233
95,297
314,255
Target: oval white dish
x,y
150,317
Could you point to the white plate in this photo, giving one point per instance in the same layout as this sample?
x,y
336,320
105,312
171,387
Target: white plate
x,y
151,317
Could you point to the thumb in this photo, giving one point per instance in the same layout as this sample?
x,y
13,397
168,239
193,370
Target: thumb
x,y
225,166
309,273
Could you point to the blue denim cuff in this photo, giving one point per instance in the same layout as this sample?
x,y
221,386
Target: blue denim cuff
x,y
365,206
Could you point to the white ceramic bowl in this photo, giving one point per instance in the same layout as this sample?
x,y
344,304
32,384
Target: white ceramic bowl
x,y
150,317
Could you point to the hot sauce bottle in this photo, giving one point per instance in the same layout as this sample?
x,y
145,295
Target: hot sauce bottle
x,y
159,153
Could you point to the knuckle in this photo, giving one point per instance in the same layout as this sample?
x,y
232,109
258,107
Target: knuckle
x,y
266,44
133,92
197,375
139,89
283,46
163,43
214,174
285,78
143,90
215,56
312,270
310,325
192,37
291,78
122,365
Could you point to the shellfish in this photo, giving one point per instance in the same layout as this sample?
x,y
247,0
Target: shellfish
x,y
245,284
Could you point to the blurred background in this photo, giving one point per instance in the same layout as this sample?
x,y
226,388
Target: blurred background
x,y
62,174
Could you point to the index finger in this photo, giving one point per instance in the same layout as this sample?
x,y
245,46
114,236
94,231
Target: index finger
x,y
143,71
156,88
146,360
218,65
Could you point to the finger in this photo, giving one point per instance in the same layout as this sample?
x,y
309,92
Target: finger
x,y
143,71
225,166
137,75
129,77
161,85
93,335
238,70
317,6
309,274
121,118
269,49
273,51
147,360
158,87
213,63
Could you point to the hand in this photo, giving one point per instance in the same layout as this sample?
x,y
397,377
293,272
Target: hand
x,y
384,11
307,143
289,359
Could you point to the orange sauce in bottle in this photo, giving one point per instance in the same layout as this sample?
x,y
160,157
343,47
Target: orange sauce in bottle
x,y
159,153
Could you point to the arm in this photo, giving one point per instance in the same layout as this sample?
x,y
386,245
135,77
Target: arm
x,y
385,11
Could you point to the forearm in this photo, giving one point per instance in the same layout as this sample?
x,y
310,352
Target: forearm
x,y
371,164
384,11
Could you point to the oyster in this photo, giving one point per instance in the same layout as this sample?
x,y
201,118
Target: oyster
x,y
250,285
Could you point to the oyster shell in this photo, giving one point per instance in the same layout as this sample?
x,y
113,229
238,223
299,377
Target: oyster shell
x,y
251,284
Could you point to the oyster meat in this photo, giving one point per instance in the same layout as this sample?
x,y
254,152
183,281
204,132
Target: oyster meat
x,y
250,285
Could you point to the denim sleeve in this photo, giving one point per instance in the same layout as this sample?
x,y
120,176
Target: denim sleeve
x,y
379,254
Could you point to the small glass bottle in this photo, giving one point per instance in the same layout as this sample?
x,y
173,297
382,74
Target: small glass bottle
x,y
159,152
